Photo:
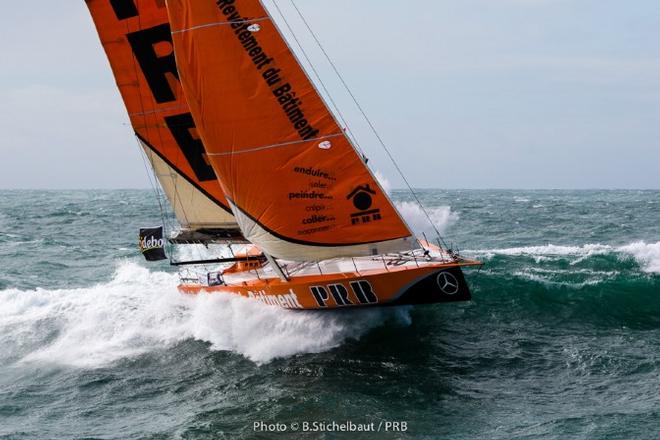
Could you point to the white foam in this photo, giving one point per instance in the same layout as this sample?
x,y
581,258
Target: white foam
x,y
646,255
578,280
384,181
263,333
443,217
140,311
543,252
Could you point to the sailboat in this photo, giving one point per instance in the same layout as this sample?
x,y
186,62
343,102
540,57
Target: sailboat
x,y
250,157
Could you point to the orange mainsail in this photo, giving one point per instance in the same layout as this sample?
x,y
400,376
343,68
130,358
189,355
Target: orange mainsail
x,y
295,183
137,39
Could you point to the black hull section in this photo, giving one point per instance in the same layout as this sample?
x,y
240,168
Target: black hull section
x,y
443,286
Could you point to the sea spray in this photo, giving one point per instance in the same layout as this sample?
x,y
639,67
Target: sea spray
x,y
647,255
140,311
441,217
262,333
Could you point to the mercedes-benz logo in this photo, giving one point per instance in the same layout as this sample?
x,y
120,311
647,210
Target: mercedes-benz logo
x,y
448,283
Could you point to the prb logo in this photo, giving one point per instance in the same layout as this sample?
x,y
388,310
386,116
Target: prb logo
x,y
362,198
448,283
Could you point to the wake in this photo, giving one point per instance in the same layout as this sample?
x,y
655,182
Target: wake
x,y
140,311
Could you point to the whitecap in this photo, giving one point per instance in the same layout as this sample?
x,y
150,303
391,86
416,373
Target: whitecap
x,y
546,251
140,311
646,254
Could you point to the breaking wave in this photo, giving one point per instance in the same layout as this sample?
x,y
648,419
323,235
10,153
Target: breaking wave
x,y
646,255
139,311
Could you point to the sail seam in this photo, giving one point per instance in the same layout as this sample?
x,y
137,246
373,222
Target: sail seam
x,y
284,144
321,82
220,23
158,110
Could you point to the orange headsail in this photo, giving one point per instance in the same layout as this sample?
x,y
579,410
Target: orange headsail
x,y
295,183
137,39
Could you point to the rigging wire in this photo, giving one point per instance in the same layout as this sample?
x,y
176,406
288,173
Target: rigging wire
x,y
321,82
368,120
154,183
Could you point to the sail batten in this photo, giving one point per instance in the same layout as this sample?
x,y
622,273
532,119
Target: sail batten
x,y
136,36
296,185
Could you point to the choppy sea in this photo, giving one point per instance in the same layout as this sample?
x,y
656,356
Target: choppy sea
x,y
561,341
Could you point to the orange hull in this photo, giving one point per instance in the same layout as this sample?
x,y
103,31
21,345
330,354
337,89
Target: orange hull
x,y
427,284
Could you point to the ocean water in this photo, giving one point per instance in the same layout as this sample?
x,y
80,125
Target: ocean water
x,y
561,341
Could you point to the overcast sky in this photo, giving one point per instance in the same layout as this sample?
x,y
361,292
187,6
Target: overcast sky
x,y
466,93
